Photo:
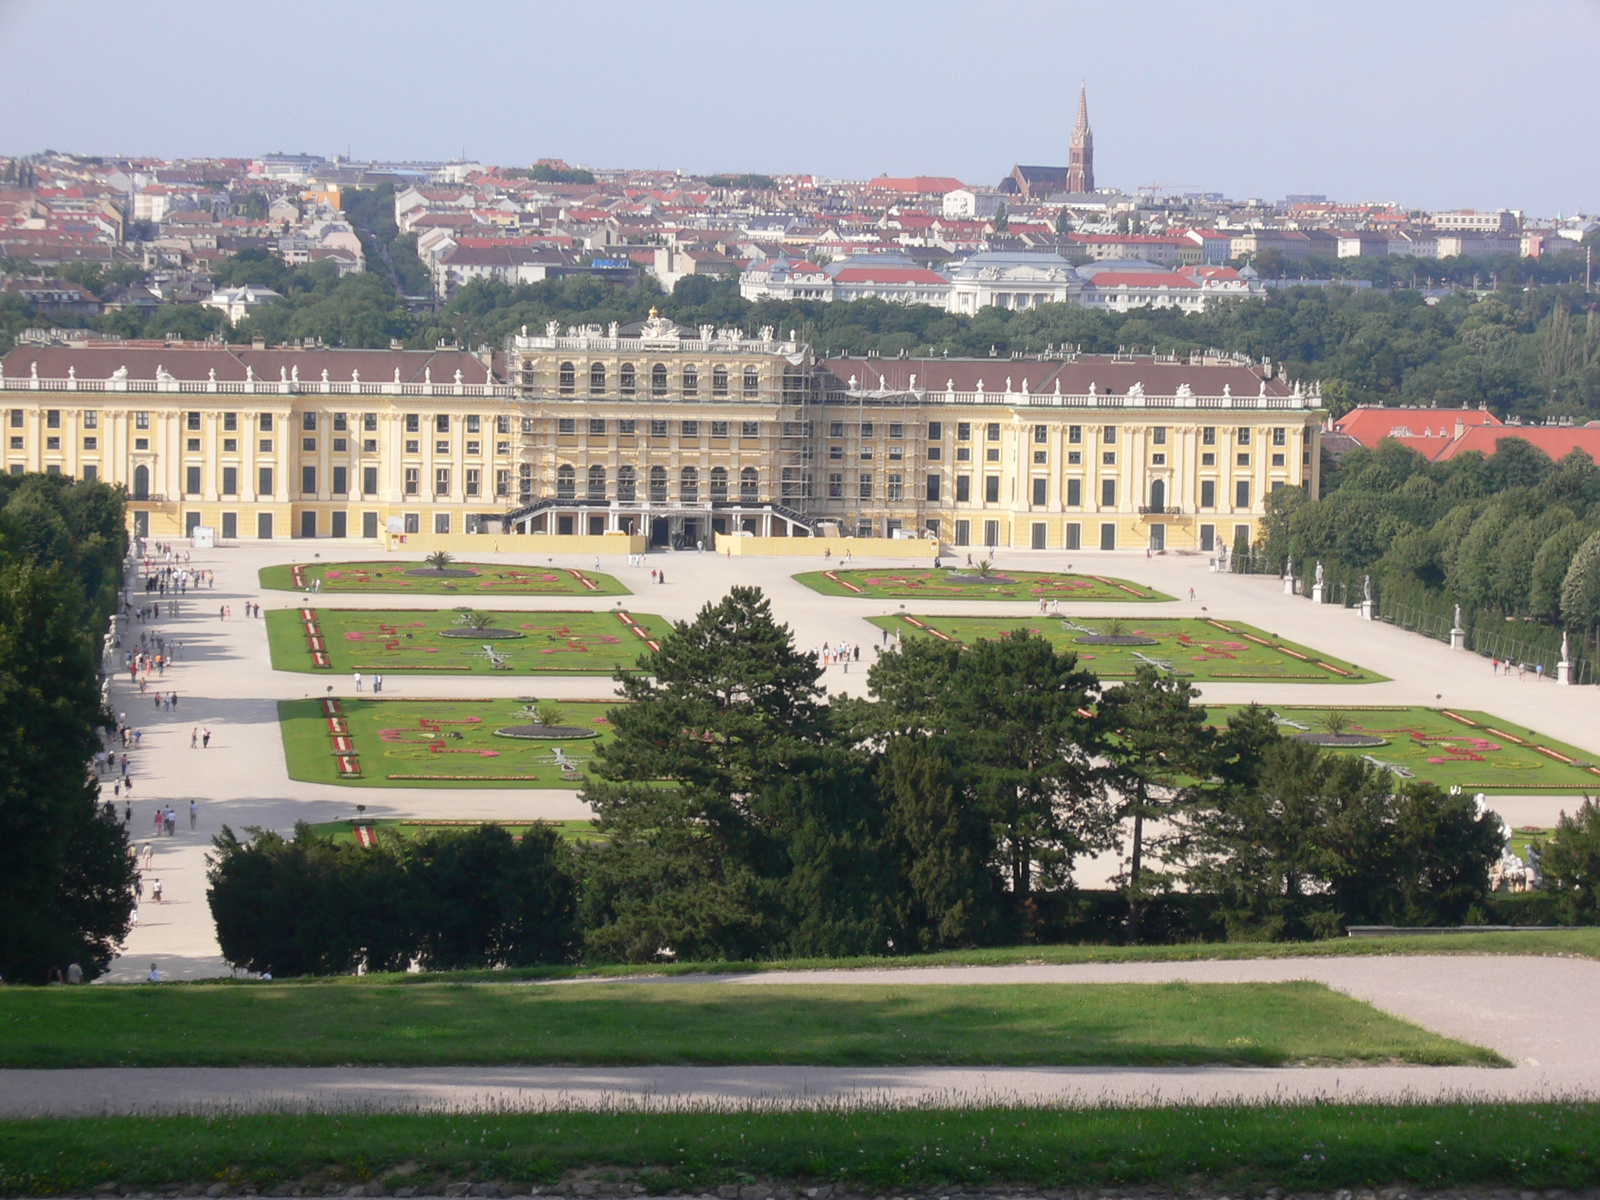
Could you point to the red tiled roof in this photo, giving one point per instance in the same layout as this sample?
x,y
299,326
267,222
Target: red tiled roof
x,y
1555,440
914,183
1428,431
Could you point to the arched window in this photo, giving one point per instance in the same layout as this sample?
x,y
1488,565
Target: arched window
x,y
628,379
566,483
1158,495
597,482
597,378
719,484
752,381
691,380
141,482
749,484
627,484
658,485
658,379
569,379
719,381
689,485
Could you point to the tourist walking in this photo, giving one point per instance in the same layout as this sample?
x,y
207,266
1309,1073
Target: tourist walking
x,y
205,738
194,811
358,681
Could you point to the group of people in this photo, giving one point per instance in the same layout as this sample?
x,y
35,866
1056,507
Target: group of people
x,y
840,654
1506,666
377,682
167,821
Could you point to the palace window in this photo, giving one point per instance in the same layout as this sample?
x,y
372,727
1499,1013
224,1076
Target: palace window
x,y
1074,435
864,488
566,483
597,378
627,428
628,379
897,487
413,423
691,380
749,484
689,485
719,484
627,484
835,486
658,380
658,485
568,379
597,482
752,381
719,429
1280,436
749,429
341,423
719,381
441,481
597,427
993,432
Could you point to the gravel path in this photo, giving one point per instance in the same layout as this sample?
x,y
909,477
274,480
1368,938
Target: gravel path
x,y
1538,1012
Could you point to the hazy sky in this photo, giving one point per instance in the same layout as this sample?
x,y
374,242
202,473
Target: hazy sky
x,y
1427,104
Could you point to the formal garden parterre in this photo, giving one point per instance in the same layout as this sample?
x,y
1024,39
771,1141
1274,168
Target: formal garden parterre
x,y
442,743
1199,648
973,583
450,579
1449,747
460,641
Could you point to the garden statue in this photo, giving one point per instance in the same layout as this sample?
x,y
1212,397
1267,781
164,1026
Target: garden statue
x,y
1366,588
1319,573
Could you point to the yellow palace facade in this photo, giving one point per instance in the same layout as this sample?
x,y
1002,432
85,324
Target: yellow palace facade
x,y
679,435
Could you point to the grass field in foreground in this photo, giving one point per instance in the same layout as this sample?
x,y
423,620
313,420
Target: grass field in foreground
x,y
343,831
413,642
1228,1149
436,743
1476,751
1195,647
964,583
598,1024
469,579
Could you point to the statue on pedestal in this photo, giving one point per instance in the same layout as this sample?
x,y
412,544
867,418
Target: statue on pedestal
x,y
1366,589
1566,647
1457,625
1288,567
1319,573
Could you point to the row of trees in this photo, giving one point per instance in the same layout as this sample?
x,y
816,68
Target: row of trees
x,y
743,816
310,906
66,880
1513,534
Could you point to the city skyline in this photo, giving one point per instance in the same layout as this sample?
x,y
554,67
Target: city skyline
x,y
987,90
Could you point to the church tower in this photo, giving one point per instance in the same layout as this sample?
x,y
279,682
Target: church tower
x,y
1080,166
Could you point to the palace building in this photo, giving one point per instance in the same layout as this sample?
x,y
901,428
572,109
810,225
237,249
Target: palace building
x,y
680,435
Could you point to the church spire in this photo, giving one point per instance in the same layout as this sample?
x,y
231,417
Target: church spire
x,y
1080,164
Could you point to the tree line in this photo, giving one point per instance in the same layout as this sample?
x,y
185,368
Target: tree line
x,y
66,879
742,815
1511,535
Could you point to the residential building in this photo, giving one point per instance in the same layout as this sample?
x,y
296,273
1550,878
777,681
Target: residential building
x,y
237,303
1010,279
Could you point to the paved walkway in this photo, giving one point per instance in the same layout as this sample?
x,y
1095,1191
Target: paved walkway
x,y
225,681
1538,1012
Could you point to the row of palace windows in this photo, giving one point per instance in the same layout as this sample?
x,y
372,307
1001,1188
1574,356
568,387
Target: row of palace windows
x,y
628,484
628,379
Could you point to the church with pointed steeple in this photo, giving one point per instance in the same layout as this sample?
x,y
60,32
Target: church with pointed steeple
x,y
1080,161
1038,183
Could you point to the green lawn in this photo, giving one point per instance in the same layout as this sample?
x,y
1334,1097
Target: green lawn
x,y
433,743
964,583
1196,647
571,832
1225,1149
600,1024
412,642
1476,751
412,578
